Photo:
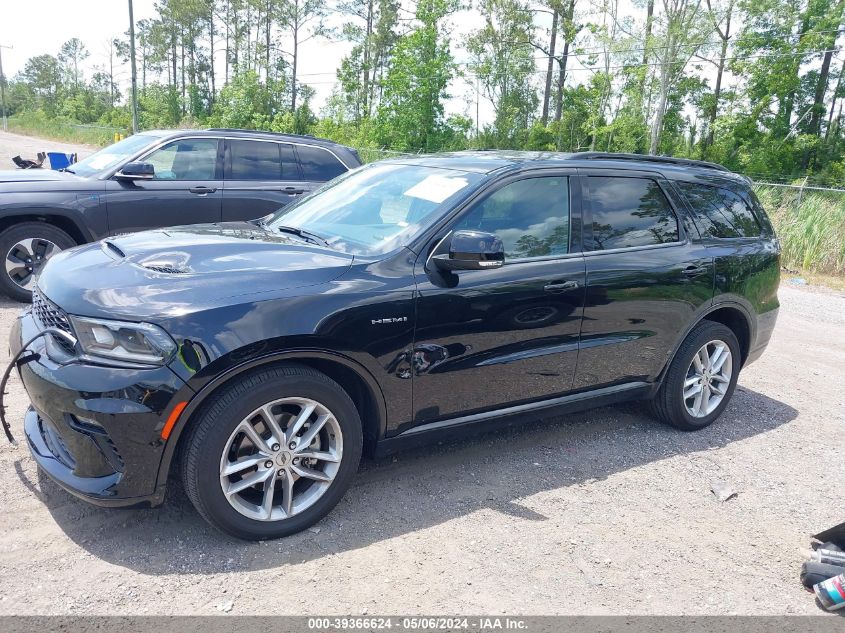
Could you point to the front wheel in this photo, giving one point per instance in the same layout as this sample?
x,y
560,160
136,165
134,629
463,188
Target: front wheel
x,y
26,248
701,379
273,452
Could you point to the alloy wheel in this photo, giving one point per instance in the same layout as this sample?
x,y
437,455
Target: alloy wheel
x,y
708,378
281,459
25,259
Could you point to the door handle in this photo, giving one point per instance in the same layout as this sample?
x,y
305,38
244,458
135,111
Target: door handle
x,y
293,190
202,190
695,271
560,286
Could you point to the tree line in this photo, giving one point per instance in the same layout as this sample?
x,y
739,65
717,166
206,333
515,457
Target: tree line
x,y
753,84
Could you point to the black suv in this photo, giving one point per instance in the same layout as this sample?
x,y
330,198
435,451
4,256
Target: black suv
x,y
400,302
155,179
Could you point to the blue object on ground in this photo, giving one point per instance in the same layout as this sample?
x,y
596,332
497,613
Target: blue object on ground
x,y
58,160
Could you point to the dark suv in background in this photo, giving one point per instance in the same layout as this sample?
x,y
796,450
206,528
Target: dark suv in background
x,y
155,179
403,301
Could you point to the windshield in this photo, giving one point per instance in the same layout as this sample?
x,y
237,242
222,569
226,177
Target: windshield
x,y
112,155
376,209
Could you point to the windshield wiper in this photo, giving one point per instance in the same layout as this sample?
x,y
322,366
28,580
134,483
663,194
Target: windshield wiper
x,y
68,170
306,235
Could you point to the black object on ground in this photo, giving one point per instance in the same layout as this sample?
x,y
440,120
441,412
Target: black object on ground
x,y
834,536
813,573
26,163
827,561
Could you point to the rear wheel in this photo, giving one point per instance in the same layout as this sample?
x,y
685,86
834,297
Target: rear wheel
x,y
701,379
26,248
273,452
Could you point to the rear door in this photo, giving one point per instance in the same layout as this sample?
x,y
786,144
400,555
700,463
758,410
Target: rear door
x,y
646,277
187,188
259,177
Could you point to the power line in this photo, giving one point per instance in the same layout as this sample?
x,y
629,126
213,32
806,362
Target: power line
x,y
689,45
613,67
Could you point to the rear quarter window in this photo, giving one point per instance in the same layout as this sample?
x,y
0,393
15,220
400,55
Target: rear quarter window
x,y
318,165
720,212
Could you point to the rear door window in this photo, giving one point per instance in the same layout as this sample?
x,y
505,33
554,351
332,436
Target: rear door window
x,y
719,212
318,165
254,160
629,212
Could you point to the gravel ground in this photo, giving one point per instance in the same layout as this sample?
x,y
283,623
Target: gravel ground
x,y
604,512
29,146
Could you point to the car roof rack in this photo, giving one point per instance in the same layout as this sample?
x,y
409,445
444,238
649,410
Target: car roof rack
x,y
238,129
666,160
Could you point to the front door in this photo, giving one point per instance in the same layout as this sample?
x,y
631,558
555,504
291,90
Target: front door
x,y
490,338
186,189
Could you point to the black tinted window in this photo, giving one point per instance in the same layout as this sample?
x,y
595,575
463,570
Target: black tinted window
x,y
530,216
254,160
720,212
318,164
630,212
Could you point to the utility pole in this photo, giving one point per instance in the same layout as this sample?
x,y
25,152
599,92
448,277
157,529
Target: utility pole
x,y
477,98
3,89
134,71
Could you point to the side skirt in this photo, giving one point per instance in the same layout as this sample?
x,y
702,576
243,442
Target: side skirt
x,y
452,428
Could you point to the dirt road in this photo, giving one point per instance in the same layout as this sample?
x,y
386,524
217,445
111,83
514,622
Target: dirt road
x,y
29,146
601,512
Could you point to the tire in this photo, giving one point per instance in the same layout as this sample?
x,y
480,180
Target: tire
x,y
669,404
49,240
214,443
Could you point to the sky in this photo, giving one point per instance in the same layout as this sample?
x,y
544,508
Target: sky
x,y
35,32
96,22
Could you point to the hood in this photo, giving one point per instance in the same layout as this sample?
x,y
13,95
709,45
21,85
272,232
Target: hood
x,y
40,180
30,175
174,271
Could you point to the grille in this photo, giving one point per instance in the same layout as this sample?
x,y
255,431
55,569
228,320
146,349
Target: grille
x,y
49,315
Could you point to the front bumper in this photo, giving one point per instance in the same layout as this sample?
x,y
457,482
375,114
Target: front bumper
x,y
96,430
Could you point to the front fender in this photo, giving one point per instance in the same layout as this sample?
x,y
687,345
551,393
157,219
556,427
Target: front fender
x,y
83,210
195,399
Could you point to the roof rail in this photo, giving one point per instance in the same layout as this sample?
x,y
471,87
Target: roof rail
x,y
666,160
238,129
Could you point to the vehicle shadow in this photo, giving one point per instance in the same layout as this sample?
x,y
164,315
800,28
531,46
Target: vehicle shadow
x,y
413,490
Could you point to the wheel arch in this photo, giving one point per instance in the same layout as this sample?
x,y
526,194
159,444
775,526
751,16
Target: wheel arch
x,y
739,322
60,221
733,315
353,377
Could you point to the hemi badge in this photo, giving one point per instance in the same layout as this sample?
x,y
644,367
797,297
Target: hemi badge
x,y
388,320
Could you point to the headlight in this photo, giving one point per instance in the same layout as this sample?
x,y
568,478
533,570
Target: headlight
x,y
119,340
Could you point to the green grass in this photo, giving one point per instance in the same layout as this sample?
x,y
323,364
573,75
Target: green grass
x,y
811,229
59,129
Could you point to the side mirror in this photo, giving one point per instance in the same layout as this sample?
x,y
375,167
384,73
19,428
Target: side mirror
x,y
136,171
472,250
